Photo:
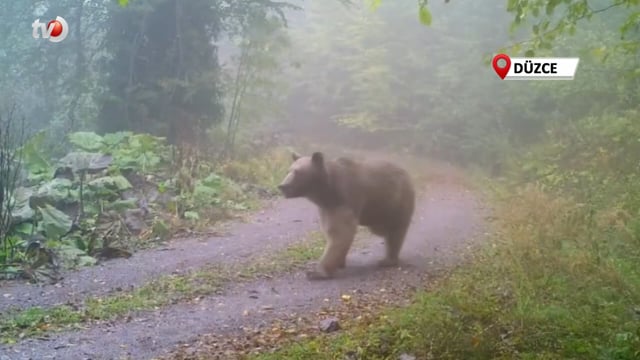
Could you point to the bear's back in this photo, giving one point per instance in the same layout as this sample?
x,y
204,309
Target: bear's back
x,y
379,190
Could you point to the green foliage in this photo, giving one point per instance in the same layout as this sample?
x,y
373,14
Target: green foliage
x,y
423,11
253,82
87,141
35,162
265,170
83,210
182,96
54,222
141,152
425,15
116,183
557,279
192,215
81,161
180,93
374,4
596,156
209,193
21,211
384,78
54,192
548,26
560,278
128,151
441,125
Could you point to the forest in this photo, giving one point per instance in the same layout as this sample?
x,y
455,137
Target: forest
x,y
139,161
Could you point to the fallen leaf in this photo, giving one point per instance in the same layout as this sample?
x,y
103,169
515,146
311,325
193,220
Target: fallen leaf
x,y
475,341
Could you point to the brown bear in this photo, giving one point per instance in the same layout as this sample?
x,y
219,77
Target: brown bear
x,y
376,194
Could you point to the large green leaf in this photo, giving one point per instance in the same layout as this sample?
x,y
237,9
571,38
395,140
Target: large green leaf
x,y
145,142
86,140
72,257
86,161
115,183
142,152
425,15
33,157
192,215
213,181
54,222
21,210
374,4
54,192
111,140
202,192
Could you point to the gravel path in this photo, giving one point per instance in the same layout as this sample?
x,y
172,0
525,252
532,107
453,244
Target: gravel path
x,y
278,225
447,219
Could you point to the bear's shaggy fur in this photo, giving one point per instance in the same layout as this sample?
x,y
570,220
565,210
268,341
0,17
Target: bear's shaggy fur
x,y
376,194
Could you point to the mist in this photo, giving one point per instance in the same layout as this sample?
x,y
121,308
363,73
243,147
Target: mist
x,y
145,145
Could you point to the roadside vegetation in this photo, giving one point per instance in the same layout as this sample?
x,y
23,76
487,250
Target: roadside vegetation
x,y
558,276
103,153
116,193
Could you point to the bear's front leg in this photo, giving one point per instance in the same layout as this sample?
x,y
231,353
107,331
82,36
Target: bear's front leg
x,y
340,229
334,258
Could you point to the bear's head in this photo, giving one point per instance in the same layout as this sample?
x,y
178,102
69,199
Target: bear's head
x,y
307,174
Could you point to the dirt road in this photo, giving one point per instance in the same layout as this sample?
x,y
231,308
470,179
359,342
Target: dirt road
x,y
447,219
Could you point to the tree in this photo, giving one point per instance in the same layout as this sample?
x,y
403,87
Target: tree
x,y
163,79
255,85
392,81
53,85
553,19
12,137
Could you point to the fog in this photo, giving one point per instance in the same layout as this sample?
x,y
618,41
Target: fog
x,y
339,72
130,144
335,71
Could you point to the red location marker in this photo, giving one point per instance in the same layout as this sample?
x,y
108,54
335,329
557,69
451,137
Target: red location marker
x,y
501,71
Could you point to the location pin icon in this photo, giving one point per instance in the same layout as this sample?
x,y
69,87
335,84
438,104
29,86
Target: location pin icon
x,y
501,71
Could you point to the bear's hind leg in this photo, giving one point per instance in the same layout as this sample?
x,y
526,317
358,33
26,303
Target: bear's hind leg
x,y
393,242
343,264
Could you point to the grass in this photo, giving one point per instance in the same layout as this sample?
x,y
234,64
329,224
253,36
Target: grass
x,y
556,281
260,174
266,170
160,292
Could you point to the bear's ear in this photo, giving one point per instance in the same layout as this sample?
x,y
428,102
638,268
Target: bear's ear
x,y
295,156
317,159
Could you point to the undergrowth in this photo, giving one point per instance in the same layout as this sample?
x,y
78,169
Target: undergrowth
x,y
116,193
265,170
557,280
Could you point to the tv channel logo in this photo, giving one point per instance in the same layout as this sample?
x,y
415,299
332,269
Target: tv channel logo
x,y
55,30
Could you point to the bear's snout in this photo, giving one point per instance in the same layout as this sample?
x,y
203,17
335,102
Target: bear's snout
x,y
287,190
283,188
